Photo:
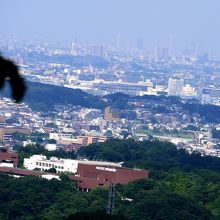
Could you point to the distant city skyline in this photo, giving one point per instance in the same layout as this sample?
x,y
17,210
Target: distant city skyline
x,y
177,25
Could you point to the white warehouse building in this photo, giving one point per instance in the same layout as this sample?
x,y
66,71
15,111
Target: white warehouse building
x,y
61,165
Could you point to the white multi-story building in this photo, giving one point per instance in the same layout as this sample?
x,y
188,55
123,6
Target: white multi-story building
x,y
189,91
61,165
51,147
57,136
175,86
210,95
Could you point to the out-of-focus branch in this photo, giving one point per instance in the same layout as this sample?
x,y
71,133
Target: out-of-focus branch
x,y
9,71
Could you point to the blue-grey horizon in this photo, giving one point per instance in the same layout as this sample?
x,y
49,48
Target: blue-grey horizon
x,y
193,23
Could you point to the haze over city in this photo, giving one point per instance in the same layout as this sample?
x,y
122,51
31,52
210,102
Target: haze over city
x,y
193,23
109,109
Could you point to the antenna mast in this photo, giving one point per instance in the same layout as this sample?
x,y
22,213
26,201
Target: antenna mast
x,y
111,199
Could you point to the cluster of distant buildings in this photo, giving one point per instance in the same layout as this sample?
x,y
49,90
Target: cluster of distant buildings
x,y
74,127
81,140
101,72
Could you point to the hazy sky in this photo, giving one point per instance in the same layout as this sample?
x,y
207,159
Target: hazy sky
x,y
194,22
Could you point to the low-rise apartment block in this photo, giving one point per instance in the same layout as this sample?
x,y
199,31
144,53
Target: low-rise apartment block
x,y
61,165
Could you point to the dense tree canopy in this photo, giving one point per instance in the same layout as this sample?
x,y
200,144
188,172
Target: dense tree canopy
x,y
181,186
41,97
149,155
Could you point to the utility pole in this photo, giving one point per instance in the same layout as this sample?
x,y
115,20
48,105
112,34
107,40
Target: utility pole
x,y
111,198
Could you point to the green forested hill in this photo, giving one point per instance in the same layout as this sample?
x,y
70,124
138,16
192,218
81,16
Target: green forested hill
x,y
154,155
210,113
43,97
181,186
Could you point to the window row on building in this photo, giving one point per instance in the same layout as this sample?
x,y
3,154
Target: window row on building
x,y
49,165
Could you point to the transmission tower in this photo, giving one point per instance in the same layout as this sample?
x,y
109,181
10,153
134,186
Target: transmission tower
x,y
111,198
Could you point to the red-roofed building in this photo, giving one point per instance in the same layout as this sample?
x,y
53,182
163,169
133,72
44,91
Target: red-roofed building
x,y
92,176
17,172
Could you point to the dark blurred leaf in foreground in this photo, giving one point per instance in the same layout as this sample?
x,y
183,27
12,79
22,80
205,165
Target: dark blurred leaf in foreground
x,y
9,71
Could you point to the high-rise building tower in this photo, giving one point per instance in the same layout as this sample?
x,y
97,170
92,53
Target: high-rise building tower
x,y
175,86
74,49
156,52
111,114
118,41
140,44
172,45
165,53
96,50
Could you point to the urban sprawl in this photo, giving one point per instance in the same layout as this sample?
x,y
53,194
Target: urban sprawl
x,y
103,70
